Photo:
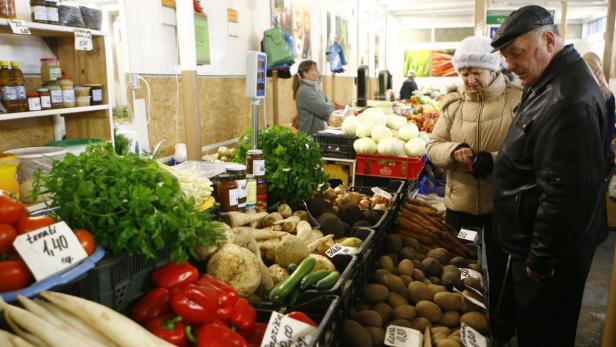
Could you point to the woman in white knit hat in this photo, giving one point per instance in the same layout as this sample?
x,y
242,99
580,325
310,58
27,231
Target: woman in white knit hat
x,y
466,138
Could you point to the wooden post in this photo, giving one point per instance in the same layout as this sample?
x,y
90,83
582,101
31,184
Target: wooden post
x,y
609,327
275,96
480,17
563,20
609,39
333,86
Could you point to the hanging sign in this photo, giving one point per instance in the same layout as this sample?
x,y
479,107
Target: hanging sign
x,y
202,39
83,40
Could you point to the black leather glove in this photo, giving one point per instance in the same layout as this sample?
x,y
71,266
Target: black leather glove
x,y
482,165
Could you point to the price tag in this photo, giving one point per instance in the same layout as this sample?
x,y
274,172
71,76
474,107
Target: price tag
x,y
381,192
468,235
283,331
339,249
471,338
19,27
464,273
470,298
50,250
83,40
398,336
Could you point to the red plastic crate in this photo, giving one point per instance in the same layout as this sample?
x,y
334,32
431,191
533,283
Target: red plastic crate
x,y
390,167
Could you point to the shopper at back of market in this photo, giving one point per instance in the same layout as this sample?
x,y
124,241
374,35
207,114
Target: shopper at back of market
x,y
313,108
408,86
549,181
467,137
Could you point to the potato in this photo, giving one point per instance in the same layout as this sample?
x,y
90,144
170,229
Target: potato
x,y
447,342
395,271
406,253
411,242
419,291
458,262
440,254
394,283
444,330
438,336
419,265
435,288
450,318
419,256
368,318
406,279
455,333
420,323
379,273
395,299
435,280
386,262
407,312
475,320
433,267
450,275
418,275
429,310
406,267
473,283
378,336
457,339
355,335
362,306
449,301
384,310
427,281
394,242
375,293
400,322
475,266
394,258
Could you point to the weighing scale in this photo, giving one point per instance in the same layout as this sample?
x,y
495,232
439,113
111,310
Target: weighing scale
x,y
256,72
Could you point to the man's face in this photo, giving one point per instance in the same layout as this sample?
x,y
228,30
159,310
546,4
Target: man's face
x,y
527,56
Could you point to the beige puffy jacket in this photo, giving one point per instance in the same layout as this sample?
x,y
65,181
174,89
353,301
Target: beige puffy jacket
x,y
481,120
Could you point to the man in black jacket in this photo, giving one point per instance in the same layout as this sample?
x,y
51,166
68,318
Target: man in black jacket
x,y
549,182
409,86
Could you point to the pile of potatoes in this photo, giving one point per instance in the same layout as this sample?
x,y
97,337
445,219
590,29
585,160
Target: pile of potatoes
x,y
414,290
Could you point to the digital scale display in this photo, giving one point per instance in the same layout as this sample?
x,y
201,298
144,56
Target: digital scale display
x,y
256,75
261,75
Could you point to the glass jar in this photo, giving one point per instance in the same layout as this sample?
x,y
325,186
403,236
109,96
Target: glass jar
x,y
7,9
226,191
68,92
239,173
255,161
96,93
50,69
39,11
261,204
52,12
55,92
34,101
45,98
251,192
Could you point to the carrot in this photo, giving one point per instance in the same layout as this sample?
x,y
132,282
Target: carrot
x,y
418,202
406,224
416,236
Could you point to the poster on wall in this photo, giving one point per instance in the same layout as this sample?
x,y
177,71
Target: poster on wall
x,y
293,17
417,60
202,39
342,35
442,63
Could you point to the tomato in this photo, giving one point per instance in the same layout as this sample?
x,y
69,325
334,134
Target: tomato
x,y
7,236
14,274
87,240
11,210
32,223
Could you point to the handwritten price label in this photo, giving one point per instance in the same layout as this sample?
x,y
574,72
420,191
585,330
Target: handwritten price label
x,y
471,299
381,192
397,336
468,235
339,249
19,27
83,40
283,331
471,338
49,250
464,273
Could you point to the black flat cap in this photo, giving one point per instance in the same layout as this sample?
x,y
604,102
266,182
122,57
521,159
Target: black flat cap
x,y
520,22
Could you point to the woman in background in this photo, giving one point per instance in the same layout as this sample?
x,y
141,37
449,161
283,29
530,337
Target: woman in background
x,y
313,108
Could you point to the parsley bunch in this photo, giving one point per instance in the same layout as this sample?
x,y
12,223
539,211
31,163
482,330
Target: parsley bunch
x,y
293,165
128,203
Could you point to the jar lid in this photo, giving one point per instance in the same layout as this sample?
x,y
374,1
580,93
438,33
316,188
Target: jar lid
x,y
49,59
32,94
43,90
64,78
255,151
236,168
226,177
93,85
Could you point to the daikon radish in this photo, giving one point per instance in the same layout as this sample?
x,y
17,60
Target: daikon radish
x,y
120,329
4,340
16,340
25,335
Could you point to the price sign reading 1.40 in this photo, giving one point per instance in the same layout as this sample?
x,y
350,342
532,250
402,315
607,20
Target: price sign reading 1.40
x,y
49,250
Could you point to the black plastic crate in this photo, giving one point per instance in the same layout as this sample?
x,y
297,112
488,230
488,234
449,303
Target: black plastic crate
x,y
336,146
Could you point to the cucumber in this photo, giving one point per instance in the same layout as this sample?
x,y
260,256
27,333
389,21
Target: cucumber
x,y
280,293
313,278
294,295
328,281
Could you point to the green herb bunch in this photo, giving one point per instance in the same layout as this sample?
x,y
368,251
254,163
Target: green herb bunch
x,y
128,203
121,142
293,165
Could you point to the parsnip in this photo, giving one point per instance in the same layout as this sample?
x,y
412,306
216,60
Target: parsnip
x,y
303,215
269,220
238,219
285,211
303,230
120,329
289,224
23,334
261,234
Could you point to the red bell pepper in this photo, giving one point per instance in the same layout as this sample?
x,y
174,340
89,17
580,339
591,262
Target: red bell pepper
x,y
173,274
152,305
231,309
244,315
302,317
170,330
254,336
217,334
194,305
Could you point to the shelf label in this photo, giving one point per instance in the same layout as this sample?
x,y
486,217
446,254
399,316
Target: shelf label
x,y
83,40
471,337
49,250
284,331
19,27
468,235
339,249
381,192
397,336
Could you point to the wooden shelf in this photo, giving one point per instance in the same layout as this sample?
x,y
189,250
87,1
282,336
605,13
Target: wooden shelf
x,y
45,113
46,30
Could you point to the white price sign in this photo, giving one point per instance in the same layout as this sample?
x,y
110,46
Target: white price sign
x,y
471,299
398,336
464,273
339,249
19,27
471,338
83,40
381,192
283,331
49,250
468,235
